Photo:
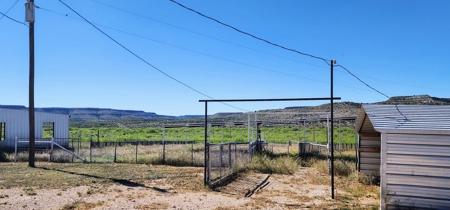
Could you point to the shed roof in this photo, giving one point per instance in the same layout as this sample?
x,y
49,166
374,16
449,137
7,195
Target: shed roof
x,y
420,119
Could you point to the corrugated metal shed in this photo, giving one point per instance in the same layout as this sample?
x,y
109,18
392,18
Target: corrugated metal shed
x,y
16,125
415,157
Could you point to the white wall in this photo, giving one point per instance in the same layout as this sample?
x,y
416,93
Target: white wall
x,y
416,171
16,125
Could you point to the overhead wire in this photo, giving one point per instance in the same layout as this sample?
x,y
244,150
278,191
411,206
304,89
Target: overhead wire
x,y
205,54
201,34
10,8
235,44
274,44
338,65
143,60
5,15
251,35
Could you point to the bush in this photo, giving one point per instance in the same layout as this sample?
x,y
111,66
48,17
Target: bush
x,y
277,165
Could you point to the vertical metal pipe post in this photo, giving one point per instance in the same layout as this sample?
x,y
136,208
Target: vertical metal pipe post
x,y
192,153
15,150
340,136
206,180
220,158
115,153
248,127
332,128
90,149
51,150
229,155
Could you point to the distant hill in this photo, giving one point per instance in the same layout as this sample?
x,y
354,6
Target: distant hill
x,y
342,109
417,99
95,113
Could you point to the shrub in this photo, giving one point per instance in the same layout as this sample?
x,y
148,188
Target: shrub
x,y
277,165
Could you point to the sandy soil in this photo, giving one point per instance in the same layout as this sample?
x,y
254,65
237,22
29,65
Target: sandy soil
x,y
249,191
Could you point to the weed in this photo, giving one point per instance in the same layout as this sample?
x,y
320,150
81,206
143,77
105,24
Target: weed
x,y
82,205
29,191
277,165
4,196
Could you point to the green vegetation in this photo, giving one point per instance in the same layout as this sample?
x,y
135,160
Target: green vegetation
x,y
217,134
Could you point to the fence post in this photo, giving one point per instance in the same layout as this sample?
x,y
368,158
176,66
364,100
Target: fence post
x,y
90,149
289,143
229,155
164,153
235,152
136,152
192,153
220,163
115,152
51,150
15,150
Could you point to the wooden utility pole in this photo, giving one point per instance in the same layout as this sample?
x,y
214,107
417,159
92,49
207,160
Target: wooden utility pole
x,y
30,18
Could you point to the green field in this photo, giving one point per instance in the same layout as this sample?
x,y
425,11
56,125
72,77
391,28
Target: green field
x,y
278,134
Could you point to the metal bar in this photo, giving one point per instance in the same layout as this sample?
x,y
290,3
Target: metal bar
x,y
220,160
229,155
15,150
332,128
206,181
51,150
268,99
84,160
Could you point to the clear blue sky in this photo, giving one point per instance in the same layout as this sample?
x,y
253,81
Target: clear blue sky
x,y
398,47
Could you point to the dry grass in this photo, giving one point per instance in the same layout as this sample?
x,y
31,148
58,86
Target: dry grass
x,y
290,189
66,175
82,205
351,192
264,163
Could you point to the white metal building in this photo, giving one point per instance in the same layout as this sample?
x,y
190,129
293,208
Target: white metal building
x,y
14,123
409,145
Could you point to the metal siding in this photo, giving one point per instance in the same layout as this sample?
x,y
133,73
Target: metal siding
x,y
418,174
416,203
369,161
371,142
17,125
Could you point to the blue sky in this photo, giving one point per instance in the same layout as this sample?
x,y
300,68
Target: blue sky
x,y
398,47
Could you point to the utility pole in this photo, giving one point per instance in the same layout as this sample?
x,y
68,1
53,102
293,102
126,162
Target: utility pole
x,y
29,16
332,128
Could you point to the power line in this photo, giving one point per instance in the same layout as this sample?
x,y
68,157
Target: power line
x,y
249,34
9,9
205,54
4,15
201,53
361,80
271,43
143,60
235,44
204,35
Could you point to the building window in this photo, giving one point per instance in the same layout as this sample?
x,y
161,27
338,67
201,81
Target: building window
x,y
2,131
48,130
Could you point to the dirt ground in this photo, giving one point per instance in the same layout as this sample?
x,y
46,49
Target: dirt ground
x,y
301,190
